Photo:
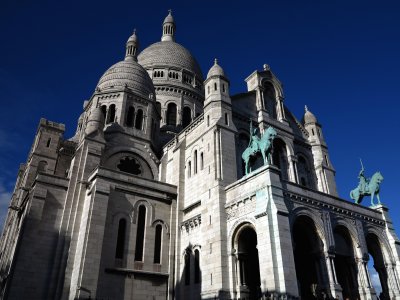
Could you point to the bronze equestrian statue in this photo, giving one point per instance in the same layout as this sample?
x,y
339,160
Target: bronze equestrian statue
x,y
257,144
367,187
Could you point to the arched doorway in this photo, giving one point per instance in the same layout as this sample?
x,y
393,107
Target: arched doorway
x,y
308,251
279,157
248,263
375,250
345,266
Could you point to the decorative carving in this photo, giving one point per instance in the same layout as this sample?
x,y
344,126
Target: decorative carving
x,y
191,223
333,208
241,207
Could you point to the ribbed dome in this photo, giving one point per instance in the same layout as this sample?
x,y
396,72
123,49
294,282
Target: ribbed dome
x,y
127,74
169,19
171,54
216,70
309,117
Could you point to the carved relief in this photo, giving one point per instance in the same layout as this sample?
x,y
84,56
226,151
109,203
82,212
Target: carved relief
x,y
241,207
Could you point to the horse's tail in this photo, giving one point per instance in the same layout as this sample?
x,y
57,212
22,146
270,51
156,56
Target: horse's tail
x,y
354,195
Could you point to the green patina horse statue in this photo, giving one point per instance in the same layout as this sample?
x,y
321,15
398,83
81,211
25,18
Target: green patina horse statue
x,y
367,188
263,145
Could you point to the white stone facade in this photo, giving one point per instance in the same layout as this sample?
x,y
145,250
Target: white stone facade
x,y
149,199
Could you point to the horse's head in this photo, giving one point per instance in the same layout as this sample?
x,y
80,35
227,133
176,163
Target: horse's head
x,y
377,177
271,132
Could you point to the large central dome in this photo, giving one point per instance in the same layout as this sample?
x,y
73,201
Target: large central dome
x,y
171,54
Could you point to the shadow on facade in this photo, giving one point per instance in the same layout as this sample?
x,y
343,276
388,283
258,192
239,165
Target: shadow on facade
x,y
189,286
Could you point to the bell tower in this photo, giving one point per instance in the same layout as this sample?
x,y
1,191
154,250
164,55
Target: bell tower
x,y
322,164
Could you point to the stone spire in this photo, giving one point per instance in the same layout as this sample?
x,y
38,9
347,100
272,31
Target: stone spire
x,y
168,28
132,46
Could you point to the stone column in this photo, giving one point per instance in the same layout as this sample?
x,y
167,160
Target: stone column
x,y
293,168
334,286
364,283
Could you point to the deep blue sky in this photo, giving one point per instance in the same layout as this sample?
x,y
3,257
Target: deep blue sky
x,y
341,58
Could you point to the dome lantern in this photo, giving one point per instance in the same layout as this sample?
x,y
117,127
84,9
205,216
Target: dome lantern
x,y
309,117
132,46
168,28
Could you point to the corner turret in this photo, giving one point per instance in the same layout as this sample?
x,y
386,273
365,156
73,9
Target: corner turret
x,y
322,164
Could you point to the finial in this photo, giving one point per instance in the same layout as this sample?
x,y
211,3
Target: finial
x,y
215,61
168,28
305,108
132,46
266,67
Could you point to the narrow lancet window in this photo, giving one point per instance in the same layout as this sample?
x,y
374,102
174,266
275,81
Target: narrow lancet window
x,y
119,252
157,244
196,266
139,119
141,223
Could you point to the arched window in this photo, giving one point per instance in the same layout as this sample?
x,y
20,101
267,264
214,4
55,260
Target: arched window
x,y
279,157
215,86
304,172
187,116
208,120
119,252
42,166
141,224
48,143
197,276
201,161
208,89
226,119
195,162
270,99
129,116
139,119
158,106
187,268
171,114
111,114
189,169
104,111
157,244
223,87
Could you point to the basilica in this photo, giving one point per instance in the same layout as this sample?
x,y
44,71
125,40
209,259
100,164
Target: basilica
x,y
174,188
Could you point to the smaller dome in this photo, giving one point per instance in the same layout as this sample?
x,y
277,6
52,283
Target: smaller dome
x,y
216,70
169,18
309,116
95,121
127,74
133,37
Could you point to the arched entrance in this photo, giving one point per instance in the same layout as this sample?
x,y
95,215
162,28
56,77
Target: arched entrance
x,y
374,249
308,250
345,266
248,264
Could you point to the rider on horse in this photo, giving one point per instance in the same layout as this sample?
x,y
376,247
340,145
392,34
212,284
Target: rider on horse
x,y
363,184
254,139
